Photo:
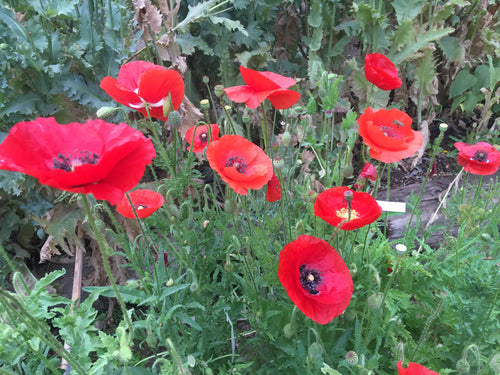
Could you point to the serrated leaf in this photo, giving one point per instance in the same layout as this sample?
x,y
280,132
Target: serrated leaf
x,y
48,279
425,72
129,295
317,39
8,17
229,24
194,14
315,19
421,41
86,93
462,82
23,104
407,10
451,48
403,34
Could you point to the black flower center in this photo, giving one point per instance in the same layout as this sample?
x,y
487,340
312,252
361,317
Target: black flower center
x,y
69,162
388,131
481,155
238,163
203,137
310,279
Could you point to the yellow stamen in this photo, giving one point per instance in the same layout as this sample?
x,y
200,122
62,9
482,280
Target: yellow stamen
x,y
343,213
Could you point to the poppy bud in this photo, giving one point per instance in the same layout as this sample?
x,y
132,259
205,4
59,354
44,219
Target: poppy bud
x,y
331,76
173,210
286,138
152,340
328,114
219,90
174,118
230,206
205,79
347,171
106,112
204,104
484,236
228,266
351,357
245,118
463,367
134,284
172,219
495,363
167,107
315,350
288,330
4,46
170,282
374,301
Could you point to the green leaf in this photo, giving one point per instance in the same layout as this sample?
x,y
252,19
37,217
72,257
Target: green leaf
x,y
421,41
195,14
425,72
451,48
403,34
229,24
129,295
407,10
315,18
45,281
463,82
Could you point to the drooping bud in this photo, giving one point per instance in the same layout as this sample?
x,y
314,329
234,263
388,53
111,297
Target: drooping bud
x,y
315,350
463,367
288,330
374,301
106,112
174,118
286,138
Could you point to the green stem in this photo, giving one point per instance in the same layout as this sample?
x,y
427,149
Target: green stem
x,y
104,249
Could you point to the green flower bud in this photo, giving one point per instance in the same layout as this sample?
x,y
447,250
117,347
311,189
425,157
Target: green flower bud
x,y
495,363
484,236
170,282
106,112
286,138
134,284
229,267
205,79
174,118
4,46
463,367
347,171
288,330
374,301
230,206
315,350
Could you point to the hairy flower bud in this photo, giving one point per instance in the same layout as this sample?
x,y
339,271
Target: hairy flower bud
x,y
463,367
174,118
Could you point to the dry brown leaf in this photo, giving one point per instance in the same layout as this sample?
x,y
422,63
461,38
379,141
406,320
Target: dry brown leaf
x,y
190,115
48,250
147,17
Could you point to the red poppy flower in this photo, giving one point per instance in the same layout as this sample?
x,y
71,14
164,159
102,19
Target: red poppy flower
x,y
141,84
315,278
240,163
200,134
273,192
96,157
481,158
332,206
389,135
414,369
380,71
368,172
263,85
145,203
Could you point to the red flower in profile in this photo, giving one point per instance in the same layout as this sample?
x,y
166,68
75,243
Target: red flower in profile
x,y
96,157
389,135
273,192
368,172
481,158
200,134
141,84
263,85
414,369
145,203
380,71
240,163
342,205
315,278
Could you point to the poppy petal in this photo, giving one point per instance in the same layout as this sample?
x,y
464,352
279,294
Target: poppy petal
x,y
156,85
283,99
258,81
145,202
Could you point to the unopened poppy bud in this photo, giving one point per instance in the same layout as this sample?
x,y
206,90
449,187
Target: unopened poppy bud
x,y
328,114
152,340
174,118
351,357
204,104
401,249
286,138
230,206
229,267
278,163
172,219
495,363
4,46
348,171
245,118
374,301
106,112
443,127
463,367
219,90
315,350
134,284
173,210
288,330
205,79
353,270
167,107
486,237
170,282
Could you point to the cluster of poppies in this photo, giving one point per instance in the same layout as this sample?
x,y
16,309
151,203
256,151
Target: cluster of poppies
x,y
108,160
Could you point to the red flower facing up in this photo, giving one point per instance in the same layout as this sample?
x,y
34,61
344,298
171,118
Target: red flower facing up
x,y
145,203
481,158
263,85
380,71
197,136
389,135
353,209
414,369
141,84
367,173
273,192
315,278
96,157
240,163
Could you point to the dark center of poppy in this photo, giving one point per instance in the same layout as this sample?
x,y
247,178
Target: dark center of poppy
x,y
203,137
69,162
238,163
481,155
310,279
388,131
